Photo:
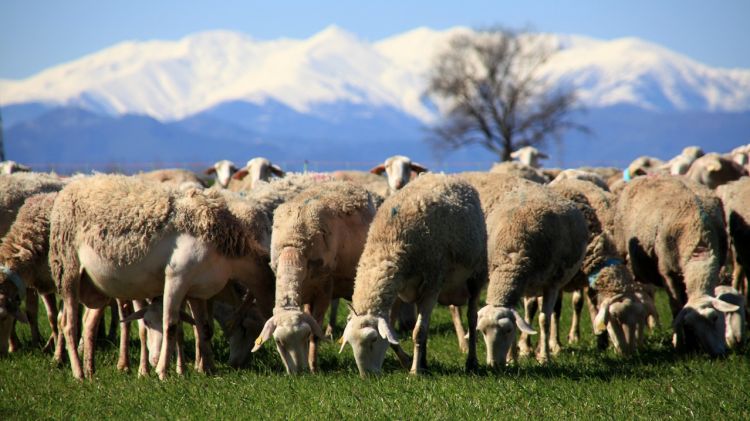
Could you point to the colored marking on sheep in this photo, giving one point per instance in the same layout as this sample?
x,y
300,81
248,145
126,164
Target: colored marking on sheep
x,y
394,211
626,175
13,276
594,276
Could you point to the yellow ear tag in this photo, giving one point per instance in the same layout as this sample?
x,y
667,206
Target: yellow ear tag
x,y
259,340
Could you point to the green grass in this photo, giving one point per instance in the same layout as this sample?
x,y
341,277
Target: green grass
x,y
579,383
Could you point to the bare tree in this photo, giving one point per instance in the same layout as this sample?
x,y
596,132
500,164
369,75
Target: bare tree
x,y
492,94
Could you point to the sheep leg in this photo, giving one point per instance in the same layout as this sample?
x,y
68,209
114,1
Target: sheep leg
x,y
459,328
577,302
554,338
32,313
113,321
524,342
14,344
602,338
180,351
205,332
472,363
70,300
123,363
60,339
331,328
143,364
317,311
173,297
419,336
547,304
93,317
50,304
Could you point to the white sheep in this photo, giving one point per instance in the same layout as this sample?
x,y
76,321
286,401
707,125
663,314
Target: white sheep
x,y
10,167
736,330
173,176
427,244
256,169
141,242
316,243
16,188
398,169
529,155
224,170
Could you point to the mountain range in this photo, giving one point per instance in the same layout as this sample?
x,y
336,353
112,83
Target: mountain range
x,y
336,100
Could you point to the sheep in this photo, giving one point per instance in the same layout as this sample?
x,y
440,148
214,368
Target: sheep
x,y
536,243
604,276
141,242
23,262
172,176
519,170
713,170
16,188
427,244
672,230
736,331
606,173
372,182
735,197
581,175
642,165
224,170
241,318
316,243
529,155
680,164
740,155
259,169
398,169
10,167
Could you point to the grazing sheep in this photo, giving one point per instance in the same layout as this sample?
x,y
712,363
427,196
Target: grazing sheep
x,y
673,232
258,169
23,263
224,170
735,197
172,176
427,244
398,169
536,243
581,175
10,167
713,170
316,243
16,188
529,155
144,241
736,331
242,320
519,170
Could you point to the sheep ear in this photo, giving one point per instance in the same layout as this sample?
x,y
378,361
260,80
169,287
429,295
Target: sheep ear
x,y
209,171
345,337
187,318
542,155
723,306
418,168
265,334
380,169
386,332
602,318
521,323
277,171
21,316
240,174
135,315
316,330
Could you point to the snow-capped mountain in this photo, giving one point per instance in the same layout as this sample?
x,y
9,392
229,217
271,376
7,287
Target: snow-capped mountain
x,y
171,80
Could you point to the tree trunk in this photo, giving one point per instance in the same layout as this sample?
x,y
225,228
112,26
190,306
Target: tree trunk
x,y
2,145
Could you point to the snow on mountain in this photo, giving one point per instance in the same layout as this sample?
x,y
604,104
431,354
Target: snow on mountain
x,y
170,80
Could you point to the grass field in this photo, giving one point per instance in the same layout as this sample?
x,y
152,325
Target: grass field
x,y
580,383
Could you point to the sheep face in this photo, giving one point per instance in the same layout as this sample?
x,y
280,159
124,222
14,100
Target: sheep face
x,y
245,327
734,321
224,170
369,337
624,317
498,326
398,169
700,325
152,319
291,330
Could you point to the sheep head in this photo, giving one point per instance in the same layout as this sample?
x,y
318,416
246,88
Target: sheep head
x,y
292,330
258,169
700,324
224,170
398,169
241,326
734,321
498,326
623,316
369,336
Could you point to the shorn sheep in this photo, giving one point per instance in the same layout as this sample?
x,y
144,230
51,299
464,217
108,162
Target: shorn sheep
x,y
427,244
316,243
144,241
536,243
673,232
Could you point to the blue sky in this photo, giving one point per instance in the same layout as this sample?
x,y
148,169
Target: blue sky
x,y
36,34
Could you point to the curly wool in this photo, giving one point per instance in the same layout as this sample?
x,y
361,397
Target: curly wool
x,y
17,187
433,223
25,247
537,240
172,176
593,198
269,195
678,223
492,186
519,170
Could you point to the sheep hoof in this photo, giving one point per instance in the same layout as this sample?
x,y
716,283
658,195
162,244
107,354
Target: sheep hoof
x,y
543,359
573,339
123,366
554,349
472,366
